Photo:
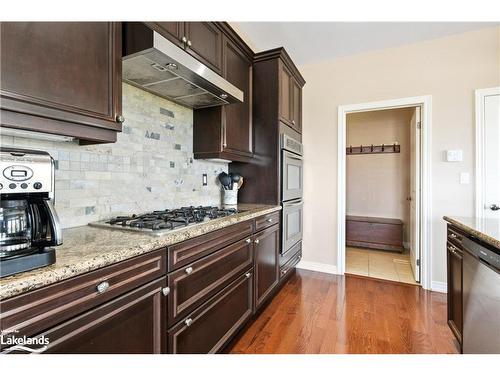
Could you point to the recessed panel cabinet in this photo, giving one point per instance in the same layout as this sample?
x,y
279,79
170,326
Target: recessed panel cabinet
x,y
62,78
226,132
266,248
290,99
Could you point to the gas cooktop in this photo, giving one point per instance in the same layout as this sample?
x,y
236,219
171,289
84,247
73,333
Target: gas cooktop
x,y
162,222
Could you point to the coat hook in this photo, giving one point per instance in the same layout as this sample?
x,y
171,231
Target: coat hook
x,y
383,146
350,149
361,149
371,148
394,147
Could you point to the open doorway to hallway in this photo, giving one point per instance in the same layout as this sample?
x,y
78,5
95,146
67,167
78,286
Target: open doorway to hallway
x,y
382,194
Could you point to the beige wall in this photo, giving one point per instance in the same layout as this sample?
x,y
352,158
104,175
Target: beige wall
x,y
449,69
378,184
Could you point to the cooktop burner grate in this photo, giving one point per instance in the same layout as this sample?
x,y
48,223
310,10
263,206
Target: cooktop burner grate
x,y
171,219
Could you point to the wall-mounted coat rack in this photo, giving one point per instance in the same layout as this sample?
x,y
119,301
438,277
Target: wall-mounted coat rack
x,y
373,149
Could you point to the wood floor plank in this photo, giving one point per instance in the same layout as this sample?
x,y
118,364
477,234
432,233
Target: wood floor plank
x,y
321,313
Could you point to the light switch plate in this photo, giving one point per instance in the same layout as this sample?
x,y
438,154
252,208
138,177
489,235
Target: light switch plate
x,y
464,178
454,155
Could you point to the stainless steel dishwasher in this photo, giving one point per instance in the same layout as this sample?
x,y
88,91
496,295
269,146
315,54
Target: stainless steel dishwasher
x,y
481,297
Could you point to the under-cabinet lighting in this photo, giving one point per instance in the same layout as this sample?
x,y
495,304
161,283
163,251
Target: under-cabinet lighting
x,y
34,135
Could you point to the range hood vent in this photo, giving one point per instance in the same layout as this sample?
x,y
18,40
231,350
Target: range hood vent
x,y
164,69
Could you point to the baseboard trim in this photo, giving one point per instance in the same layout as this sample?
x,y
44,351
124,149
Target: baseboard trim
x,y
438,286
318,267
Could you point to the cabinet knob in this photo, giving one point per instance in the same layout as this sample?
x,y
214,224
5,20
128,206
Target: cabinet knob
x,y
269,220
120,119
248,240
293,122
189,44
184,39
189,270
256,241
166,291
452,248
248,274
188,321
102,287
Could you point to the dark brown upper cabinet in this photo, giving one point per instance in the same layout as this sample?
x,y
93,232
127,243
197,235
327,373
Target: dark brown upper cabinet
x,y
226,132
202,40
62,78
290,98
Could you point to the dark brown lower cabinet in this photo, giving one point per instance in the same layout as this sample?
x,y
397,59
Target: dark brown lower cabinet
x,y
211,326
266,248
131,324
454,263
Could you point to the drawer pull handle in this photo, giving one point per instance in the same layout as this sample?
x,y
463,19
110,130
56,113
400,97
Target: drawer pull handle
x,y
248,240
188,321
284,272
102,287
269,220
166,291
248,274
452,249
189,270
453,235
256,242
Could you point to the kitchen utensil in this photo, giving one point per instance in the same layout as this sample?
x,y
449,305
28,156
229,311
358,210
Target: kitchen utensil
x,y
225,180
240,182
235,177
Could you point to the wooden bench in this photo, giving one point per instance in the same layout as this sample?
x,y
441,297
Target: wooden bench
x,y
374,233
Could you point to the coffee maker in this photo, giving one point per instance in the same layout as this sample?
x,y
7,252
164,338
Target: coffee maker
x,y
29,226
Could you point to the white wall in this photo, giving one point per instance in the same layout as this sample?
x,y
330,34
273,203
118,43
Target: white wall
x,y
449,69
378,185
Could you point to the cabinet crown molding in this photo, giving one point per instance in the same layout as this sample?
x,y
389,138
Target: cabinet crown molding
x,y
281,53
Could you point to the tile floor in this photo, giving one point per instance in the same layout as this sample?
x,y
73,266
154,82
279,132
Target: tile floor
x,y
380,264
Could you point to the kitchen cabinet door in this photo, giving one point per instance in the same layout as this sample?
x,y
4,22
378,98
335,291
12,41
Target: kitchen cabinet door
x,y
226,132
212,325
266,249
455,312
173,31
238,116
296,105
131,324
204,42
285,92
62,78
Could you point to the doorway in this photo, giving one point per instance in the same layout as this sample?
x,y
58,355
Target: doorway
x,y
416,238
488,153
382,177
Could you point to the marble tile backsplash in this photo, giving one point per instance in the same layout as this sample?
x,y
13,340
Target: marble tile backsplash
x,y
150,167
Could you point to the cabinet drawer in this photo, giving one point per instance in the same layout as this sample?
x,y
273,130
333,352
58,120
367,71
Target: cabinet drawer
x,y
454,235
265,221
193,249
210,327
131,324
36,311
287,267
193,285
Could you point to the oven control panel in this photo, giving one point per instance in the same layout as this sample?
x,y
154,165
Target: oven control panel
x,y
25,171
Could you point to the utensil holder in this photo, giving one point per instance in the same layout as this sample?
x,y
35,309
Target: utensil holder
x,y
230,197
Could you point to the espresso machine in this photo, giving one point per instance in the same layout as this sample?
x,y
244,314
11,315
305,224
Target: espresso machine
x,y
29,226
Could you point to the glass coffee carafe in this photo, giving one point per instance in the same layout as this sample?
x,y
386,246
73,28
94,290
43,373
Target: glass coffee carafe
x,y
15,228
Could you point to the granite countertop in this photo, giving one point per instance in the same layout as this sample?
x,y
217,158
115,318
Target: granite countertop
x,y
88,248
487,230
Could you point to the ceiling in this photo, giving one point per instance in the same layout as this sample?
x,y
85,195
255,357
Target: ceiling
x,y
315,41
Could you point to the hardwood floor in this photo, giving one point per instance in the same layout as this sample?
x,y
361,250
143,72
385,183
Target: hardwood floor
x,y
321,313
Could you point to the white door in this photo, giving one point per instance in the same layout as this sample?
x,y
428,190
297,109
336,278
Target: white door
x,y
489,149
415,193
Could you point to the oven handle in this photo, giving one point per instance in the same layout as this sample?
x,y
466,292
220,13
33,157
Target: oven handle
x,y
291,155
294,204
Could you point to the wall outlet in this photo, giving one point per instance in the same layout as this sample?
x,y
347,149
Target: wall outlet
x,y
454,155
464,178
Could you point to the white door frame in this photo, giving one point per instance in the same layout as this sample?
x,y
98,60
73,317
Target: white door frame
x,y
479,109
425,102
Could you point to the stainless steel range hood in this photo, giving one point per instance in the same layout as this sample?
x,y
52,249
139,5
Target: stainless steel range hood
x,y
166,70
